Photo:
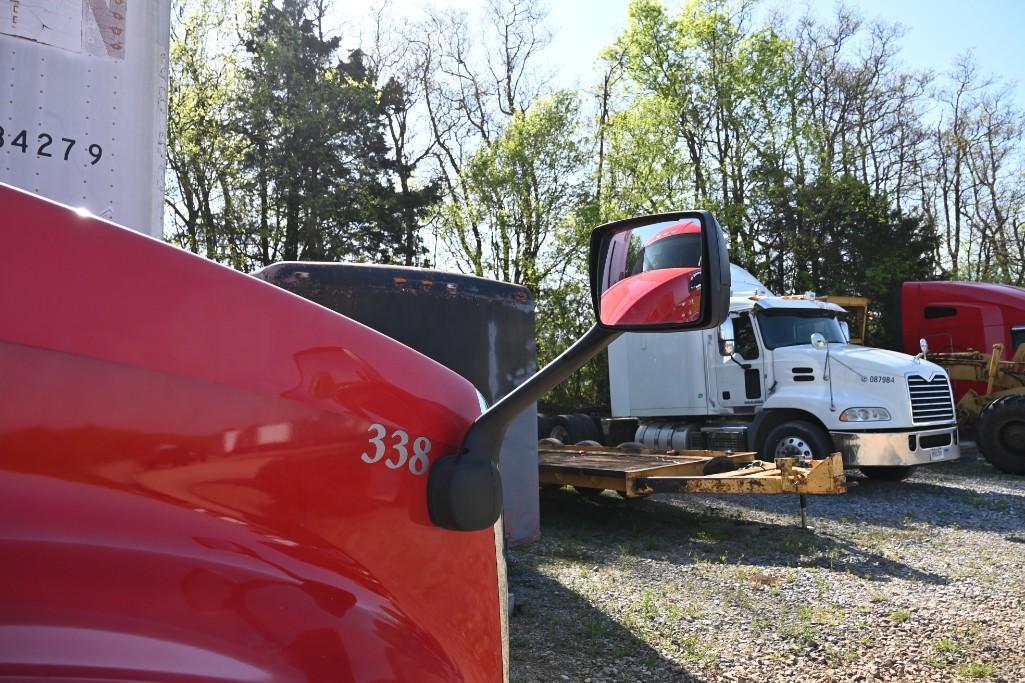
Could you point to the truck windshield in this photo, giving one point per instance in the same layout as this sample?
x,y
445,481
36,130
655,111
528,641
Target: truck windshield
x,y
792,328
676,251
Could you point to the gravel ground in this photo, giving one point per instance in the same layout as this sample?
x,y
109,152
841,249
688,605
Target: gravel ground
x,y
922,580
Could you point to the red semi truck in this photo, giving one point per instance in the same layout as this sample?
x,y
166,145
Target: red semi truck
x,y
204,477
974,330
962,316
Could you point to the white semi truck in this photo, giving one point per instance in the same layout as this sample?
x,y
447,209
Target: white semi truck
x,y
780,378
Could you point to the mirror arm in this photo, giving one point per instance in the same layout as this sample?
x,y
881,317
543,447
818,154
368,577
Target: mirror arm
x,y
464,491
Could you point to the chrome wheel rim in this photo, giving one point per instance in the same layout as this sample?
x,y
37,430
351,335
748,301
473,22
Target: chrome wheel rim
x,y
793,447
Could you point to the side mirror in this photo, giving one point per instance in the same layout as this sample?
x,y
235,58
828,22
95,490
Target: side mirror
x,y
663,272
818,341
846,329
656,273
727,345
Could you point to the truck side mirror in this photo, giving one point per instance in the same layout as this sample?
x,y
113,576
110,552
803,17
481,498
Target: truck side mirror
x,y
664,272
727,345
818,341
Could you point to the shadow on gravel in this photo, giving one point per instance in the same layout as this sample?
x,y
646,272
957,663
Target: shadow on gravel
x,y
597,531
894,504
555,631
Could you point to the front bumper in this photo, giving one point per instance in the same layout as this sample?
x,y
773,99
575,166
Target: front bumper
x,y
897,449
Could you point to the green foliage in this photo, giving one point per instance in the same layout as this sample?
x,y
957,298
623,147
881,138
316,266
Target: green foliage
x,y
835,230
278,148
513,219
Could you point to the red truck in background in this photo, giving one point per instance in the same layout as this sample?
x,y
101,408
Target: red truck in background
x,y
962,316
975,330
206,478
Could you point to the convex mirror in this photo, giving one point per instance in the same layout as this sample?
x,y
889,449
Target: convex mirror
x,y
727,343
663,272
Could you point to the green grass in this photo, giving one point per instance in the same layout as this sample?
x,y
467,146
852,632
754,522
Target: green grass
x,y
977,671
900,616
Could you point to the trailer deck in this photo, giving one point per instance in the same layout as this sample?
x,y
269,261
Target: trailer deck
x,y
641,472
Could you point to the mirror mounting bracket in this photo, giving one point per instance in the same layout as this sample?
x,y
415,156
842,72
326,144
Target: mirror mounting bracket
x,y
464,491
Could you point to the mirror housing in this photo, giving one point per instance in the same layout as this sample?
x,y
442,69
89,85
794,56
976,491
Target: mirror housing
x,y
664,272
818,340
727,343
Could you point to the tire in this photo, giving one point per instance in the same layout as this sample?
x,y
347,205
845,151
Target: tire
x,y
1001,433
797,438
888,473
544,426
575,428
560,429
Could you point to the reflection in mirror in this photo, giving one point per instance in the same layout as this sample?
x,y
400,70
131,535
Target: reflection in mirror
x,y
651,273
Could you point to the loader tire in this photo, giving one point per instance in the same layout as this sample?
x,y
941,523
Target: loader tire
x,y
1001,433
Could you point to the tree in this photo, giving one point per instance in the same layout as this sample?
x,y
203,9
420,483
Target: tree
x,y
837,249
279,151
521,191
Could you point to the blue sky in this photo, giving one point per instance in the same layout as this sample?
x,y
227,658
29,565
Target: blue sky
x,y
937,31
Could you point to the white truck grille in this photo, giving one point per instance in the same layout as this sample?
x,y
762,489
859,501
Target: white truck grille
x,y
931,400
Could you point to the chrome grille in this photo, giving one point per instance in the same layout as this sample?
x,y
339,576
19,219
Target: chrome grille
x,y
930,400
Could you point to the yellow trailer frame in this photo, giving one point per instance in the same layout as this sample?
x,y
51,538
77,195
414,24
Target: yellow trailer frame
x,y
641,472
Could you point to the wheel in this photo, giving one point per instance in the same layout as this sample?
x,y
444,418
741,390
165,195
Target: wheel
x,y
796,439
888,473
560,429
1001,433
544,426
575,428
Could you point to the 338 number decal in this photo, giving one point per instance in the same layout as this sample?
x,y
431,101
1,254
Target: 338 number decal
x,y
398,445
61,148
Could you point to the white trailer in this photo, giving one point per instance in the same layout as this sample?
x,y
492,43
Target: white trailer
x,y
780,378
83,104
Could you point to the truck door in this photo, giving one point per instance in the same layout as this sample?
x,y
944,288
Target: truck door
x,y
739,378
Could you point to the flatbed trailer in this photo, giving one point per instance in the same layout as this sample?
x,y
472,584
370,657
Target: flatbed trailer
x,y
635,473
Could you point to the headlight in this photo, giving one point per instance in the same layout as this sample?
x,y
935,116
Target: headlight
x,y
865,415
